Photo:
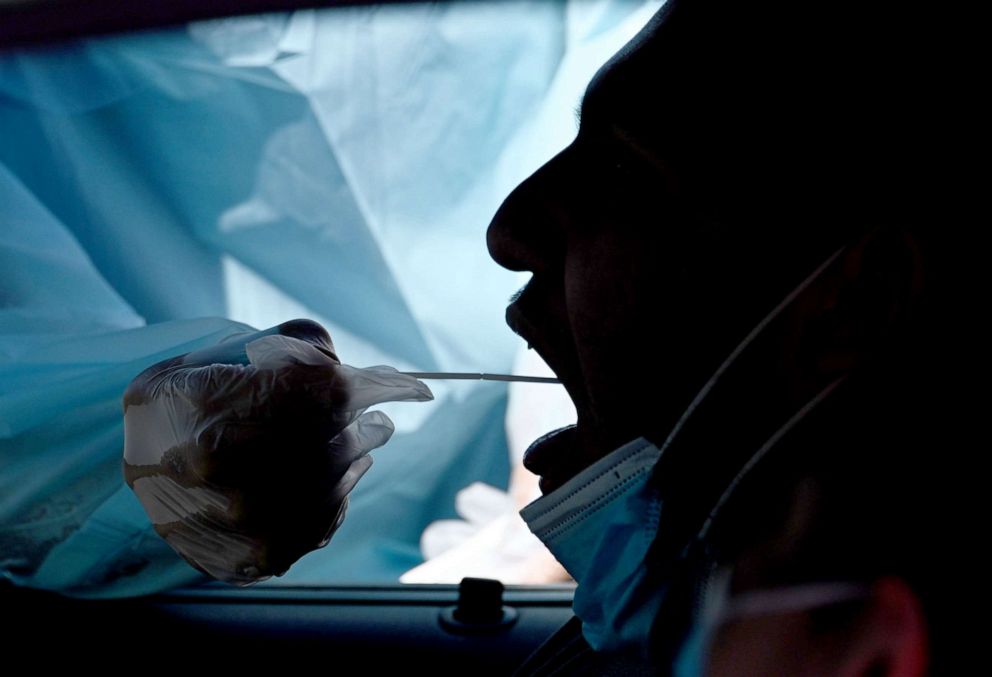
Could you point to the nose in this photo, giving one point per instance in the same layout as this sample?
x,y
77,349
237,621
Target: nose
x,y
528,230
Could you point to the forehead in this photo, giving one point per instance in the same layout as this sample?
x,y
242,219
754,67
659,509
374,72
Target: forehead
x,y
625,83
646,98
724,99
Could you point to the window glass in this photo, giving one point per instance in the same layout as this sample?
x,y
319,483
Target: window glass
x,y
160,190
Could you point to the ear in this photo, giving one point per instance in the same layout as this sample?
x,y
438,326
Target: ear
x,y
891,638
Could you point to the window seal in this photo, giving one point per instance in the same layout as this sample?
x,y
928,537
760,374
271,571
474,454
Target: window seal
x,y
554,595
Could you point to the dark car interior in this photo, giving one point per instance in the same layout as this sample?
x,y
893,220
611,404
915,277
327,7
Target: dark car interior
x,y
474,630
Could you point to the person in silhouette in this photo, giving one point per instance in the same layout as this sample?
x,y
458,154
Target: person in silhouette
x,y
751,226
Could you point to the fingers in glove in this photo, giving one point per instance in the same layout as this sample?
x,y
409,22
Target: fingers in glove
x,y
351,477
287,379
373,385
349,450
311,332
369,431
276,352
350,387
233,350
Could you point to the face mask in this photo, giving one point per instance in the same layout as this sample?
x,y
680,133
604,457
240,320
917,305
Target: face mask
x,y
600,526
719,608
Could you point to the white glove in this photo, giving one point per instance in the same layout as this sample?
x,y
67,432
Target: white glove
x,y
243,454
491,541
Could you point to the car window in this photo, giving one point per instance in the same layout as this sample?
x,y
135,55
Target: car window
x,y
160,190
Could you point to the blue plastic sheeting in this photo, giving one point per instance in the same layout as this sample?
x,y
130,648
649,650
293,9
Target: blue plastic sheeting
x,y
339,165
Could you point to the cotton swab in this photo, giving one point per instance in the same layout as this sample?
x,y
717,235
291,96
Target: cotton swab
x,y
469,376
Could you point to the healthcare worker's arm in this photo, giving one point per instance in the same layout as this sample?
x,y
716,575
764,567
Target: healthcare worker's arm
x,y
243,454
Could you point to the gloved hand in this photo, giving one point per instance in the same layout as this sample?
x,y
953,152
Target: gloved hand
x,y
243,454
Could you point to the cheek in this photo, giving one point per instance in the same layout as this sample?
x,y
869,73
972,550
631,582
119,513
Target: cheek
x,y
771,645
614,289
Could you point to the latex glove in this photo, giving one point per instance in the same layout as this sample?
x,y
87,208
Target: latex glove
x,y
243,454
491,541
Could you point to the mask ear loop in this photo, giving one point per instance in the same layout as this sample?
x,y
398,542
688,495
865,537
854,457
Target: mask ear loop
x,y
698,549
792,598
695,549
763,452
725,365
744,344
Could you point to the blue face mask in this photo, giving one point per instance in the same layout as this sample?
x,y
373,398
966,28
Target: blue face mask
x,y
600,526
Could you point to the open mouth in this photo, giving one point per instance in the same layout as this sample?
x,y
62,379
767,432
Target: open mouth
x,y
555,456
553,344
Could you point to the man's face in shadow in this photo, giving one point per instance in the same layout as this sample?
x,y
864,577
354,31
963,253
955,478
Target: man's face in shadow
x,y
622,271
709,176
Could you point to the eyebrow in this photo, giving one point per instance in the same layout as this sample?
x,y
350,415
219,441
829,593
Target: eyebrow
x,y
585,109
